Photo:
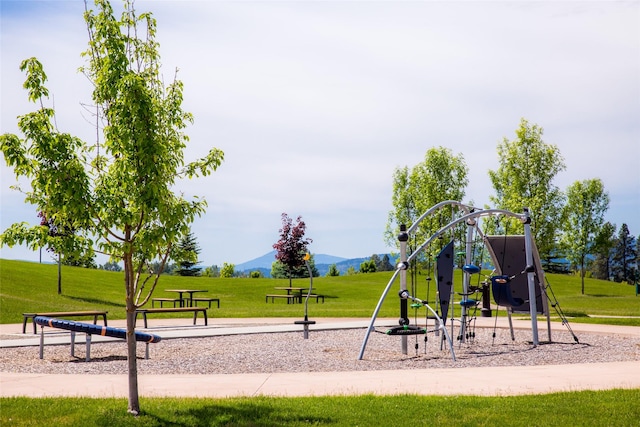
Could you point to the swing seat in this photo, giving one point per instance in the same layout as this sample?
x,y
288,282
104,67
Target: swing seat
x,y
501,290
406,330
471,269
470,302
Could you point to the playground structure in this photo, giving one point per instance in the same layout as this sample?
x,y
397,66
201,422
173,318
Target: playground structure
x,y
517,282
89,330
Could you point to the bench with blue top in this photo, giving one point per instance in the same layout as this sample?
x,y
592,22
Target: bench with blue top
x,y
89,330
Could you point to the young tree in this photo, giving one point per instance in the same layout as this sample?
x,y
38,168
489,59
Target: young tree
x,y
292,246
227,270
524,178
333,271
441,176
117,193
602,248
188,256
212,271
368,266
583,216
624,257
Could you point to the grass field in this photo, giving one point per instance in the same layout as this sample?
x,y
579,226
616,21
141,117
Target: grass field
x,y
28,286
32,287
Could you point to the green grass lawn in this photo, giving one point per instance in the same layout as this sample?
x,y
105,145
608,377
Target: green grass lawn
x,y
586,408
28,287
32,287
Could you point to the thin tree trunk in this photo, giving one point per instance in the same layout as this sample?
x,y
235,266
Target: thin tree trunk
x,y
132,362
59,274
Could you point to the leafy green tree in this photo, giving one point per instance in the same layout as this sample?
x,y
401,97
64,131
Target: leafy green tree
x,y
212,271
227,270
603,250
624,257
116,193
61,241
368,266
280,271
333,271
256,274
524,178
188,256
351,271
441,176
292,246
111,266
583,216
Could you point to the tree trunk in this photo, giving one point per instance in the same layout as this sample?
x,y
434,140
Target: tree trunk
x,y
134,401
582,273
59,274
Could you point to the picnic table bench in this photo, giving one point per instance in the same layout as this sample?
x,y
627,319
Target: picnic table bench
x,y
207,300
289,297
195,310
293,295
63,314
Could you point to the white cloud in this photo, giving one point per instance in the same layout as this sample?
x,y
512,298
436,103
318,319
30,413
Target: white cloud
x,y
316,103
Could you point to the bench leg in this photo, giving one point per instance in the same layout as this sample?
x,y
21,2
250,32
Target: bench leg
x,y
88,355
41,342
73,343
205,318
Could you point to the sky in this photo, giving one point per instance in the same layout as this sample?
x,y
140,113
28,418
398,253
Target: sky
x,y
316,103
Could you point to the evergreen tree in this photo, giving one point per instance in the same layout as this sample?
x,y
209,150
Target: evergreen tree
x,y
624,257
385,264
188,256
333,271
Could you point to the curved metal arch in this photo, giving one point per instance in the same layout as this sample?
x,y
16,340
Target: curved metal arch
x,y
464,218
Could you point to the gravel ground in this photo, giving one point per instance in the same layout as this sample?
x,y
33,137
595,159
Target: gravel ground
x,y
335,350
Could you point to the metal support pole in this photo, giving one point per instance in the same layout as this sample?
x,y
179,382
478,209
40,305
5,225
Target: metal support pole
x,y
528,248
403,237
471,222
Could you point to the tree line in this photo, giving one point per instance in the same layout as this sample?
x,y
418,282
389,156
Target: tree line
x,y
566,225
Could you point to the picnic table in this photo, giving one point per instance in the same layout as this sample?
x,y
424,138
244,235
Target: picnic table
x,y
293,295
186,301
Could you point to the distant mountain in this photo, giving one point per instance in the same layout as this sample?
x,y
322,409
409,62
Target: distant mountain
x,y
322,262
266,260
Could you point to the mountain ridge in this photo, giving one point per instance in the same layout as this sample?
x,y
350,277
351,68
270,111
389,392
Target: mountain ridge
x,y
322,263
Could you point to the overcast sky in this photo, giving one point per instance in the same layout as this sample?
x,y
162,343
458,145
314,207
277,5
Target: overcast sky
x,y
315,103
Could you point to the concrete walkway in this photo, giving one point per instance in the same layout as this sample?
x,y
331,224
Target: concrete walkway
x,y
457,381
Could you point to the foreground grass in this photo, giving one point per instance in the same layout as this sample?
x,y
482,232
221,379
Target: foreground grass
x,y
587,408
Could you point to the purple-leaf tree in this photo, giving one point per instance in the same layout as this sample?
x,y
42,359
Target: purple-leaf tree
x,y
292,245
